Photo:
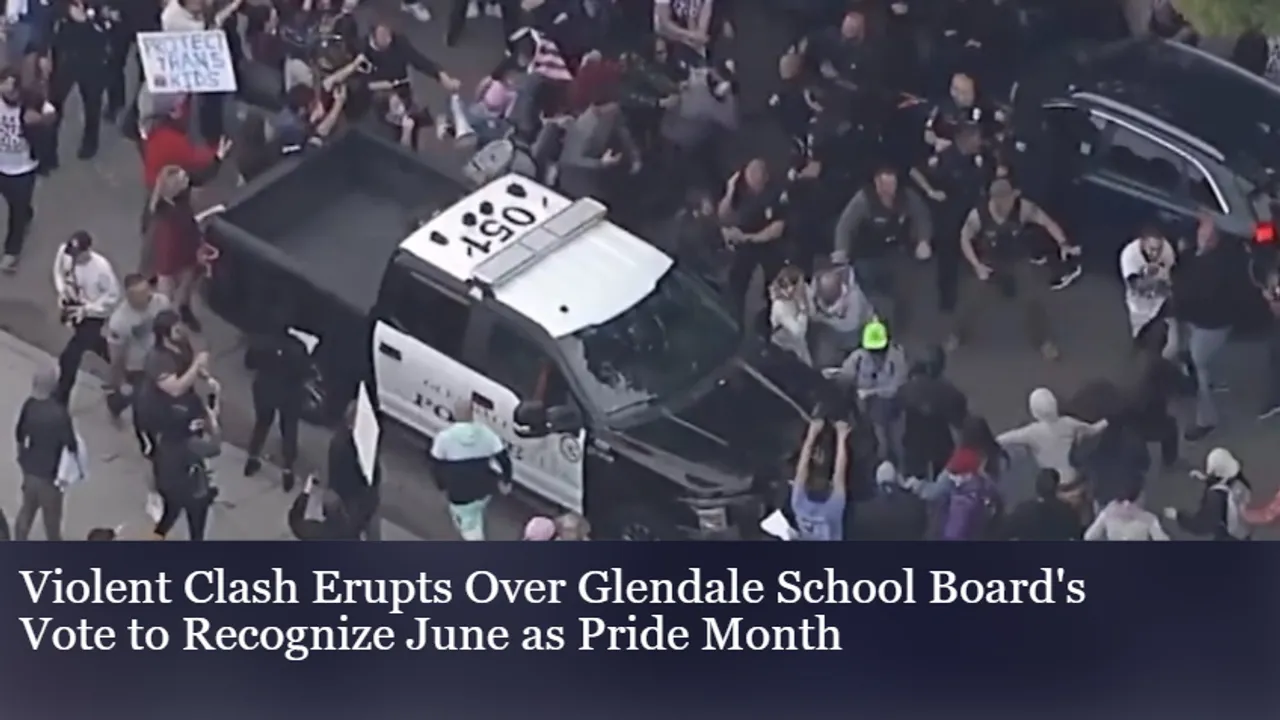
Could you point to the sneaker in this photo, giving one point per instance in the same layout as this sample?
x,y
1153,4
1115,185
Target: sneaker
x,y
87,152
287,480
473,10
9,264
1196,433
1064,280
419,13
252,466
1270,411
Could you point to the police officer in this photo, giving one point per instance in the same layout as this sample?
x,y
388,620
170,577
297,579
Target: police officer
x,y
879,230
993,242
953,181
961,108
753,212
282,365
80,42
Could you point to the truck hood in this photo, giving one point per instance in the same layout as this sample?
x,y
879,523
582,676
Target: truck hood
x,y
739,434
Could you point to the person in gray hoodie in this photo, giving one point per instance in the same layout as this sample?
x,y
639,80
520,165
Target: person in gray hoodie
x,y
876,371
838,311
706,105
1050,436
596,144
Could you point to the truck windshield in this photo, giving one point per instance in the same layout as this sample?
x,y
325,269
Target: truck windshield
x,y
658,348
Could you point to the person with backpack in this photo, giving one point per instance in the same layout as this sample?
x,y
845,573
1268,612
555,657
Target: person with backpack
x,y
933,411
818,490
1226,495
966,502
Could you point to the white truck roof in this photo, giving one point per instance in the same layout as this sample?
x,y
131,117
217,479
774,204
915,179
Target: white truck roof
x,y
558,262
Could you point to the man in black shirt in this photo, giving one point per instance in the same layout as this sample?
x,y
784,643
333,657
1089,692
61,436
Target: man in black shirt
x,y
389,58
80,41
960,109
170,372
42,434
1204,284
994,243
753,212
282,365
953,180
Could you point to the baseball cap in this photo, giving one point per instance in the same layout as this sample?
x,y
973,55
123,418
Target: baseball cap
x,y
875,336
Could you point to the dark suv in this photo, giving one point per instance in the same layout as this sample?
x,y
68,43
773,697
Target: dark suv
x,y
1148,131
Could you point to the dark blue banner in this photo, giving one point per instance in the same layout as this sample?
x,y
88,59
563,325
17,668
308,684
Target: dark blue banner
x,y
595,630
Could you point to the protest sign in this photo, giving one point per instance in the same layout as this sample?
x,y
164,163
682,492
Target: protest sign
x,y
187,61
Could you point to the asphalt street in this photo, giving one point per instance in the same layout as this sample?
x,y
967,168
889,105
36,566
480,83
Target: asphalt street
x,y
997,370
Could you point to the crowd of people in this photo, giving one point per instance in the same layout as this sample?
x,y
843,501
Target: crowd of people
x,y
903,171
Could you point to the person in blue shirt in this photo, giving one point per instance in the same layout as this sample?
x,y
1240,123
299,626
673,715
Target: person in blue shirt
x,y
818,492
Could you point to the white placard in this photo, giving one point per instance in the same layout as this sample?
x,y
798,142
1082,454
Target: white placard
x,y
187,61
365,433
778,526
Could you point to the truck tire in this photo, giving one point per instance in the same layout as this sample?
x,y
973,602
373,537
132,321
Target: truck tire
x,y
639,524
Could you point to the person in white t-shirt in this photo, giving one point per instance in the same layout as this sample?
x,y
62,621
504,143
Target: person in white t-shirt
x,y
1146,265
18,165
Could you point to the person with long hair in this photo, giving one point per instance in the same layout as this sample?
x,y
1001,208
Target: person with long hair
x,y
789,313
174,237
818,492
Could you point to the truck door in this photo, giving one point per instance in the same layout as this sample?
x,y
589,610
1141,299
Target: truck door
x,y
418,337
515,368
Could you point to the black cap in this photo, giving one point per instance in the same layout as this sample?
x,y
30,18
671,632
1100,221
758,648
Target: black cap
x,y
79,242
164,323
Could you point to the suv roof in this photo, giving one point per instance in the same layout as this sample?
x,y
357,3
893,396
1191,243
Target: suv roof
x,y
559,263
1202,95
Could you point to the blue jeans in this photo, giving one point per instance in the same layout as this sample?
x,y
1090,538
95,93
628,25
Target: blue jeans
x,y
1205,344
469,518
20,36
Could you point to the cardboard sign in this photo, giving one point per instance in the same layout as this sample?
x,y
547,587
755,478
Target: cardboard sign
x,y
187,61
366,433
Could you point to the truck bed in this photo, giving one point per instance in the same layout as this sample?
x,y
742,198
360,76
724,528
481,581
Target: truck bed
x,y
335,215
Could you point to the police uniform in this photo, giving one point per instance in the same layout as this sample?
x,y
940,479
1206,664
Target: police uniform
x,y
753,212
80,49
1000,244
961,178
946,118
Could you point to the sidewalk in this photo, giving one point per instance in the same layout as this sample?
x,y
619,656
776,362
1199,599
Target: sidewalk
x,y
115,493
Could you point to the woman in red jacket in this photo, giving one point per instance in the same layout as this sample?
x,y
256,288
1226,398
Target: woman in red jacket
x,y
167,141
175,239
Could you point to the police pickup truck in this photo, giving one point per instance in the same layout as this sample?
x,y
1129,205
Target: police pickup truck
x,y
625,389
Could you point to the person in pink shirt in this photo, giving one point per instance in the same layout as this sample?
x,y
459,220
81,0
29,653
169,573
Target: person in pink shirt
x,y
487,114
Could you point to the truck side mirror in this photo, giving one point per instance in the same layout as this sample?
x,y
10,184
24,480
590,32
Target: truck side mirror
x,y
530,419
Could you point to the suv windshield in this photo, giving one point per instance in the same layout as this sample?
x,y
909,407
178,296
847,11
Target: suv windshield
x,y
658,348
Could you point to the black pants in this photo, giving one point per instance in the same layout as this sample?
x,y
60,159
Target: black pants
x,y
196,509
90,84
458,19
18,191
266,410
117,59
86,336
947,254
768,257
1163,430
